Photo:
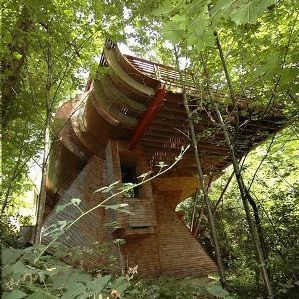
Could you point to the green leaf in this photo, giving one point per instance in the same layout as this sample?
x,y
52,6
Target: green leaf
x,y
19,269
98,284
221,9
117,206
61,279
14,294
164,9
17,55
60,251
33,4
52,232
174,30
257,9
10,255
288,286
41,276
109,188
241,15
180,21
6,271
127,186
161,164
41,295
62,223
38,292
240,12
60,208
250,12
120,284
79,276
74,289
69,276
119,242
217,290
56,234
76,201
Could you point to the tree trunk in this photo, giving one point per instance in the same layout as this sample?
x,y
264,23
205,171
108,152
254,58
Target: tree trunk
x,y
42,193
249,197
255,236
12,64
193,210
201,178
258,227
223,192
205,194
18,169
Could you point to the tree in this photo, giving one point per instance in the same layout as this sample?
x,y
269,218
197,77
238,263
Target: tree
x,y
180,26
243,48
48,49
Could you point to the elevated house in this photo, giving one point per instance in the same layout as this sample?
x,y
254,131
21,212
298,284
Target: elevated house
x,y
130,118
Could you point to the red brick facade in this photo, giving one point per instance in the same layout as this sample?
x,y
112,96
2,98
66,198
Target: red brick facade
x,y
125,106
155,238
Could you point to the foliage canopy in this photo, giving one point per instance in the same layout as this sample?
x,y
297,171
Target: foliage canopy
x,y
50,48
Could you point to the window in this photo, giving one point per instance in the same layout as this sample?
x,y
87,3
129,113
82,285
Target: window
x,y
129,176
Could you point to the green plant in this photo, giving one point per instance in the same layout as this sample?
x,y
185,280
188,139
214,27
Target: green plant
x,y
51,278
167,288
58,229
33,271
218,291
8,231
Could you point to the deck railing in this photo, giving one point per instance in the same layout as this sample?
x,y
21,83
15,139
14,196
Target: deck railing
x,y
166,74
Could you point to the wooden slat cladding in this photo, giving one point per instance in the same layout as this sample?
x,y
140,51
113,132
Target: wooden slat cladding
x,y
171,250
102,122
114,111
171,119
141,213
132,71
160,72
156,239
87,231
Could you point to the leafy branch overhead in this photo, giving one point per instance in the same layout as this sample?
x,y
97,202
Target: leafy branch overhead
x,y
240,54
196,21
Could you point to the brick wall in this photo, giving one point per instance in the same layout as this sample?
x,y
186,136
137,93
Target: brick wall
x,y
91,228
180,253
171,250
156,239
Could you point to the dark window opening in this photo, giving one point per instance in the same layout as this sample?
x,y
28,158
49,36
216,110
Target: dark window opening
x,y
140,227
129,176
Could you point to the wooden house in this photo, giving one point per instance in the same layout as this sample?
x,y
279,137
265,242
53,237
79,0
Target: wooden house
x,y
130,118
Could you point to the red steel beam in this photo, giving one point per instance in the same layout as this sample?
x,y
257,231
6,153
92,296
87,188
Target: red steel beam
x,y
88,85
148,116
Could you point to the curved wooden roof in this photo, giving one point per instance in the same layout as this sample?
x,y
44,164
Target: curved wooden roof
x,y
129,86
121,94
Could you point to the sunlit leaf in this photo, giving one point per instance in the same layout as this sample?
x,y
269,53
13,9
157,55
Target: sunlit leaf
x,y
76,201
217,290
14,294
